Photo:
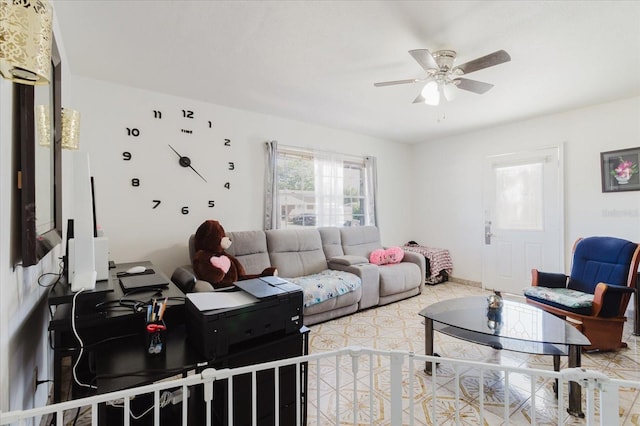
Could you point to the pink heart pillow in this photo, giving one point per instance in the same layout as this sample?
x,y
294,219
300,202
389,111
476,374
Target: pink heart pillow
x,y
388,256
221,262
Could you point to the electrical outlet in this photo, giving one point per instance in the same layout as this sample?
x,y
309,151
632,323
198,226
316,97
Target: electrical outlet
x,y
35,379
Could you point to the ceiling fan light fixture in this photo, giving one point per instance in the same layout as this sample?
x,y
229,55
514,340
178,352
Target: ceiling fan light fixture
x,y
449,91
431,93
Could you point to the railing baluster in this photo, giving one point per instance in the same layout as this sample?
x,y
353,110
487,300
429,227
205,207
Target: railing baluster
x,y
156,407
185,405
533,399
457,403
434,378
371,370
338,389
396,387
412,376
506,397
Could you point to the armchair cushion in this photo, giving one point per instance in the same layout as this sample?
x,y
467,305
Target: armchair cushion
x,y
563,298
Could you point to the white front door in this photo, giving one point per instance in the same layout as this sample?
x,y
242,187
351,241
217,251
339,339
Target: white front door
x,y
523,218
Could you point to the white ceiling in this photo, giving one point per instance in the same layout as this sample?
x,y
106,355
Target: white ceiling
x,y
316,61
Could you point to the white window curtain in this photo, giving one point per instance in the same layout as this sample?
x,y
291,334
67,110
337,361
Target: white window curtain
x,y
371,189
271,219
329,191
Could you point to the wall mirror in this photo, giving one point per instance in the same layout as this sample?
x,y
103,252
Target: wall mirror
x,y
39,129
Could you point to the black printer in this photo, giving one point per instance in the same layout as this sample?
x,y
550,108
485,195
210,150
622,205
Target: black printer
x,y
258,309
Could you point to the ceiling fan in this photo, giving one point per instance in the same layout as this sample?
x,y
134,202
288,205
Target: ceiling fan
x,y
443,78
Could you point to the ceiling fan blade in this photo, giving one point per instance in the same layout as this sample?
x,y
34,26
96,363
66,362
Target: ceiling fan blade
x,y
391,83
424,58
487,61
472,85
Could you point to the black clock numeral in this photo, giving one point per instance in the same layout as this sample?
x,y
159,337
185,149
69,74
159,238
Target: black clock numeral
x,y
187,114
185,210
126,156
212,203
135,182
227,185
227,142
232,165
210,124
156,203
133,132
157,114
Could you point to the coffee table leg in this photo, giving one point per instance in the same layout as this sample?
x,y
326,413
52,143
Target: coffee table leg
x,y
556,367
575,390
428,343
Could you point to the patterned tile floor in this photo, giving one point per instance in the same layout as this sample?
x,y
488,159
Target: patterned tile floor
x,y
399,327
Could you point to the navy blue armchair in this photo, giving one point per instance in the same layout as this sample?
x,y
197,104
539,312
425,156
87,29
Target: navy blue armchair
x,y
595,296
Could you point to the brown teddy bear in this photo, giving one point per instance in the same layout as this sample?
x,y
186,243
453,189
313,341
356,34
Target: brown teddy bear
x,y
212,264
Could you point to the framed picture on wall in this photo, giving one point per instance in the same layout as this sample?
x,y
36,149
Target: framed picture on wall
x,y
620,170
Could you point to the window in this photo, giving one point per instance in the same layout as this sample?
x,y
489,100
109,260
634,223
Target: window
x,y
322,189
519,197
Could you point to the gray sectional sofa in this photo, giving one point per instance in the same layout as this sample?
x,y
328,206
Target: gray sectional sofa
x,y
330,263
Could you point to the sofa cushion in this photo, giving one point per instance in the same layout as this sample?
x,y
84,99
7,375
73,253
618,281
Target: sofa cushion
x,y
296,252
360,240
331,242
600,259
326,285
563,298
250,248
399,277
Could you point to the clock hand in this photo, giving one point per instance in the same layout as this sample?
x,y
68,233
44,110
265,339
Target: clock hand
x,y
186,162
191,167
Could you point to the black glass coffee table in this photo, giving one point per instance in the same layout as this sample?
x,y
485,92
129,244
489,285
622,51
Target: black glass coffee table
x,y
515,327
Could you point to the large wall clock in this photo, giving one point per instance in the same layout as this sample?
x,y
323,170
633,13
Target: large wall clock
x,y
177,160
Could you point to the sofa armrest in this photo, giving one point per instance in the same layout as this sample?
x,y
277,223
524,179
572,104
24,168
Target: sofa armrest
x,y
370,277
184,278
548,279
347,260
419,260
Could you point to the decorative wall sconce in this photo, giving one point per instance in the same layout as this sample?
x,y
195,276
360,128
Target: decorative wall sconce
x,y
25,45
43,124
70,127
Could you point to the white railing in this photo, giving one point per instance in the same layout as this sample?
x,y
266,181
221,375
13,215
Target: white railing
x,y
364,386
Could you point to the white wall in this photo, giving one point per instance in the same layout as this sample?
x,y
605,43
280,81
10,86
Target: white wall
x,y
138,232
448,205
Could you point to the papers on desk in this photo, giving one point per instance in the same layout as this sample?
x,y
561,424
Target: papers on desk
x,y
206,301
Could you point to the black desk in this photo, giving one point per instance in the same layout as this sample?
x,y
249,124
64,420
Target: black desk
x,y
102,314
127,365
